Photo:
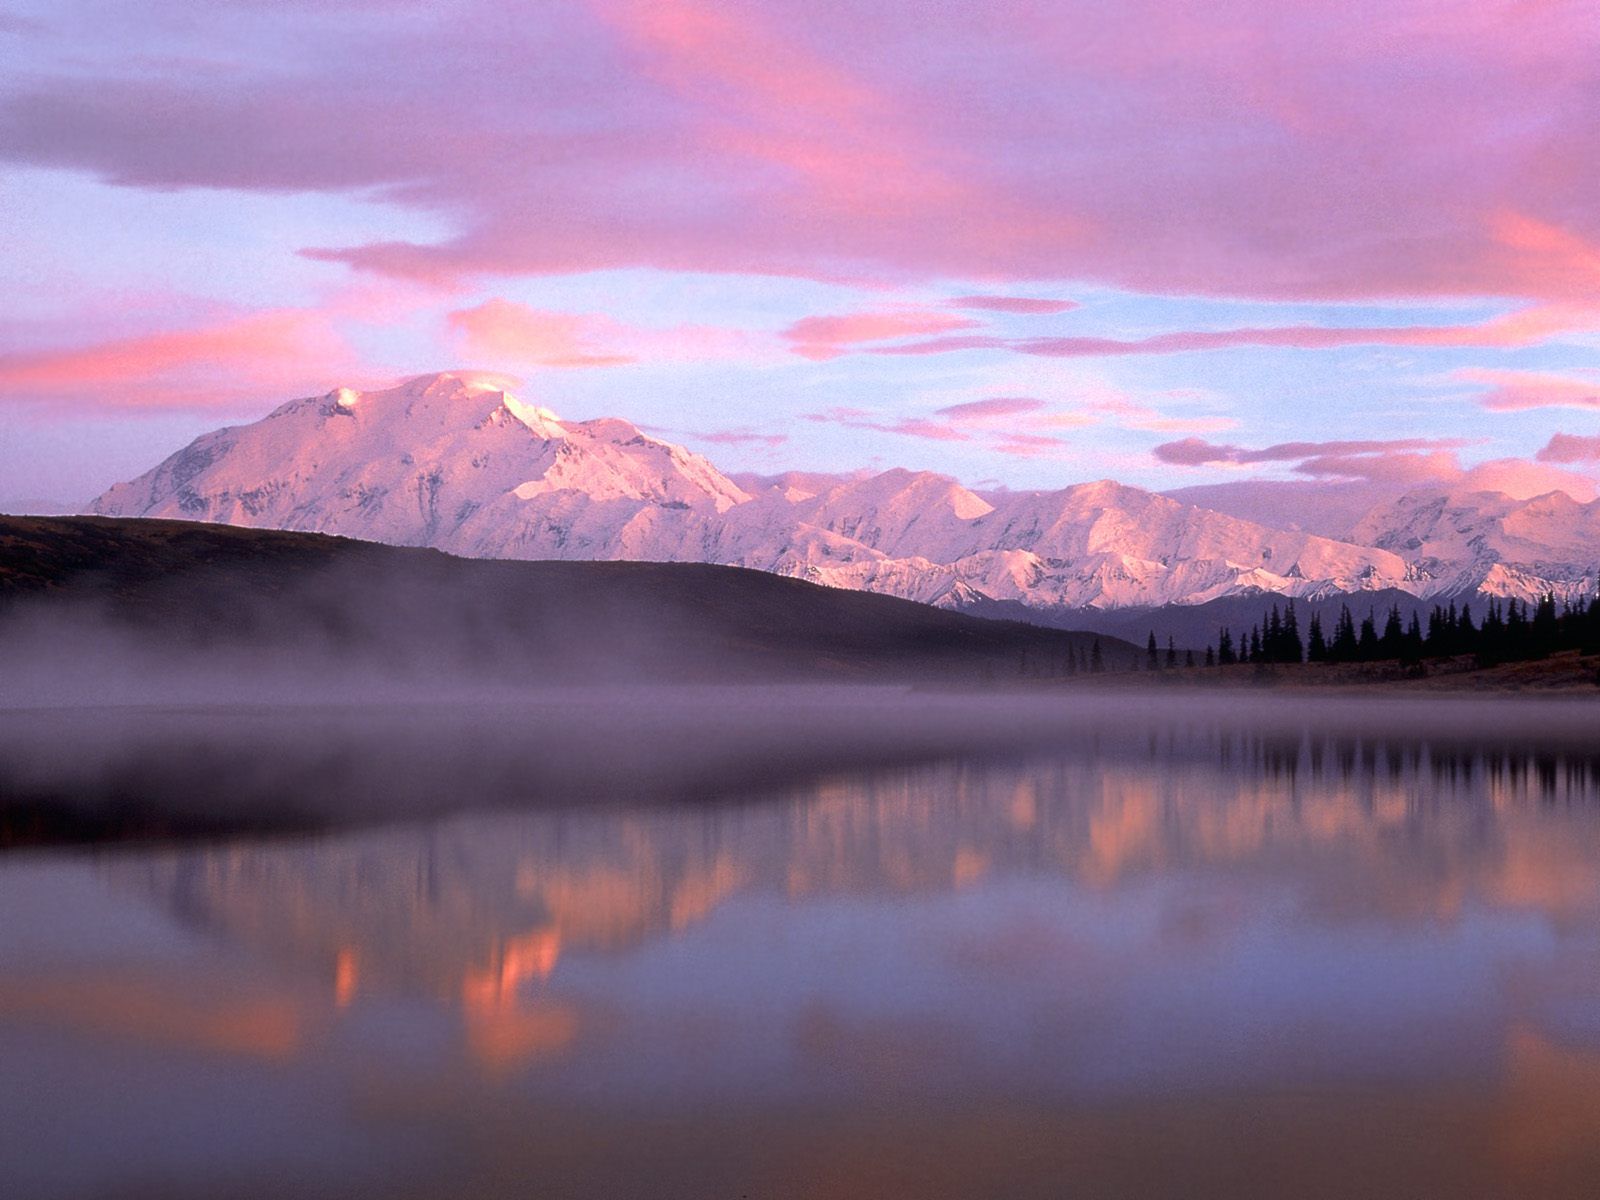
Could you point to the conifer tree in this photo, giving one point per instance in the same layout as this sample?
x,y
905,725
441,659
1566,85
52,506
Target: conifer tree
x,y
1317,645
1151,654
1293,650
1542,634
1491,635
1367,647
1515,636
1345,645
1412,649
1394,635
1172,652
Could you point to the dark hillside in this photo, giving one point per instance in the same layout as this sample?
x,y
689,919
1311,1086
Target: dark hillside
x,y
179,587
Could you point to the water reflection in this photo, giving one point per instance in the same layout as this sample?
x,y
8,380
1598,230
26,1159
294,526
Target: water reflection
x,y
1179,958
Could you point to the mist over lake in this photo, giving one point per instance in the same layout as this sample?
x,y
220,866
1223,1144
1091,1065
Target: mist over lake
x,y
802,941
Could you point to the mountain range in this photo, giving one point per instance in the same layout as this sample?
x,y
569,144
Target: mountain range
x,y
455,462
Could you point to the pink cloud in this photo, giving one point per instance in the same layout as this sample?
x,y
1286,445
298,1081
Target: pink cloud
x,y
1028,417
1009,425
1570,448
1193,451
504,331
762,98
1512,391
1026,305
1401,461
995,406
1129,413
501,330
1548,260
921,427
1521,479
1336,149
1358,471
828,336
203,367
1030,445
743,437
839,415
1524,327
1383,467
947,345
1196,424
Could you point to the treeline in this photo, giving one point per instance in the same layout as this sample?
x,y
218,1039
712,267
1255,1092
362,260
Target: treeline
x,y
1053,663
1509,631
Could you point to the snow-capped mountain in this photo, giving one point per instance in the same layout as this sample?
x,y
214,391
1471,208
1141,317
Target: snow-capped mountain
x,y
1476,541
452,461
444,460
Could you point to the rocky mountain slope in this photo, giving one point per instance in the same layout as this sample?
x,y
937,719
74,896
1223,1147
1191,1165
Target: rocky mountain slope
x,y
1463,542
454,462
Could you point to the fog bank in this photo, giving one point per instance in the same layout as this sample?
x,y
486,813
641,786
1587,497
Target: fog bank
x,y
81,772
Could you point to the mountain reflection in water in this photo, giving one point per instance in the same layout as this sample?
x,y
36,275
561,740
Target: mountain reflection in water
x,y
1187,960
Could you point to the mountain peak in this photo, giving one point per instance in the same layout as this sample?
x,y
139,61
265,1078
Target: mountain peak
x,y
441,394
1108,491
466,382
450,459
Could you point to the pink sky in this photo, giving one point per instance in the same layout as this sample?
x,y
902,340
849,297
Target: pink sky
x,y
1315,222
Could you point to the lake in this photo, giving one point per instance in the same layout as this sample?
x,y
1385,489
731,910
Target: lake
x,y
803,944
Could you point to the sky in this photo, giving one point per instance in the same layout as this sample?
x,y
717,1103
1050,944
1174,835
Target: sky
x,y
1026,243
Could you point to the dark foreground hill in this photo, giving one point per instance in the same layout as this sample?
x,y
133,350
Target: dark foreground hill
x,y
149,595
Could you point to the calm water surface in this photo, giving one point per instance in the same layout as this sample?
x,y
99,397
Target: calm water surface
x,y
1171,959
